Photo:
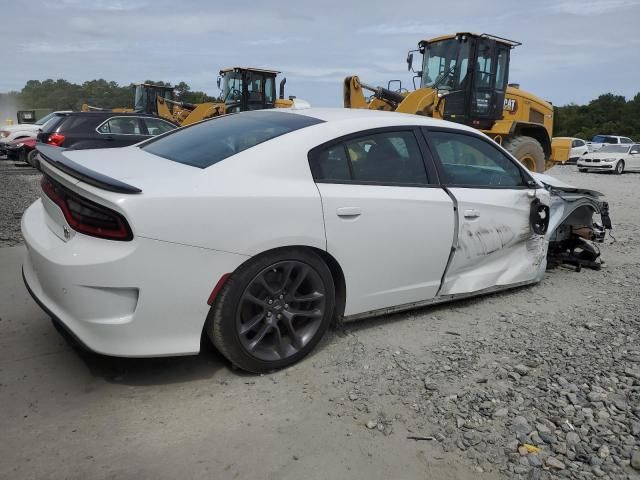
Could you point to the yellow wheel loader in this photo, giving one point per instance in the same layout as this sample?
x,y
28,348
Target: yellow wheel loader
x,y
464,78
242,89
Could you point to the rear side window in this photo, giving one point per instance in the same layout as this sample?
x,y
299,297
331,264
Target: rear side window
x,y
74,123
390,158
155,126
204,144
121,126
469,161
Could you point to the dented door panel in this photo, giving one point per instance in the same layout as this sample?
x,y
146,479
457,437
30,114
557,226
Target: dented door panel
x,y
495,245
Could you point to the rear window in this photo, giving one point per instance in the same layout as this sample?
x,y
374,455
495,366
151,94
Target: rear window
x,y
51,124
77,122
204,144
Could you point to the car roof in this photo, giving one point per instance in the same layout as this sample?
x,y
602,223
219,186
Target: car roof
x,y
112,114
337,114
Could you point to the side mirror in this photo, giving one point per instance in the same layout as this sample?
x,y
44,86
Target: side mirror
x,y
219,80
394,82
410,61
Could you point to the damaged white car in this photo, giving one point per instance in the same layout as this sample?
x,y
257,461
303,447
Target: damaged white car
x,y
260,228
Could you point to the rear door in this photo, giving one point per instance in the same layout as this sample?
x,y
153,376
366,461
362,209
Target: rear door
x,y
120,131
495,243
387,222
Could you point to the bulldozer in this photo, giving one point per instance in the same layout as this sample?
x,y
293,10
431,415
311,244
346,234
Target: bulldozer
x,y
243,88
463,78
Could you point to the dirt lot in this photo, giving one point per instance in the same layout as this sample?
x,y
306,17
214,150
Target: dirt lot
x,y
556,366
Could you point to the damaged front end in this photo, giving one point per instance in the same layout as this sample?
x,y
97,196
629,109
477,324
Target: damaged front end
x,y
572,231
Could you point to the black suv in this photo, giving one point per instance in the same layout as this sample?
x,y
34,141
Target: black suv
x,y
82,130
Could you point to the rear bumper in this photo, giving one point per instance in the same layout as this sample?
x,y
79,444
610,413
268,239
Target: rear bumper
x,y
132,299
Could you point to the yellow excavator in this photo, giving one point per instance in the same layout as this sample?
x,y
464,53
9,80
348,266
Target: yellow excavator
x,y
242,89
464,78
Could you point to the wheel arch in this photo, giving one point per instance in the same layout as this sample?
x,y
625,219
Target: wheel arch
x,y
535,131
337,273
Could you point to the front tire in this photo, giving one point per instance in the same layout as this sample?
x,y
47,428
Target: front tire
x,y
273,310
32,158
528,151
619,170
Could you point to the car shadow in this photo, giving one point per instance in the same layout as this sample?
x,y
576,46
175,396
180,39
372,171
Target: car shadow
x,y
206,365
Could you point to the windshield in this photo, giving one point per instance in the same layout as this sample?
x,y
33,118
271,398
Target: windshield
x,y
232,88
614,149
604,139
45,119
445,64
206,143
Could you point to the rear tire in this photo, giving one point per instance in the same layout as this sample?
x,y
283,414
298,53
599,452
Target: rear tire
x,y
619,167
273,310
528,151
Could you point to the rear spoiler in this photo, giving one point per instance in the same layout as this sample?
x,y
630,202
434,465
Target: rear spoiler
x,y
54,156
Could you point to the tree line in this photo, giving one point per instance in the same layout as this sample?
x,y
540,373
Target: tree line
x,y
61,94
607,114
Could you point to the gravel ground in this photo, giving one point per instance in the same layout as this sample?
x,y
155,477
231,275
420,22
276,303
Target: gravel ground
x,y
535,383
19,187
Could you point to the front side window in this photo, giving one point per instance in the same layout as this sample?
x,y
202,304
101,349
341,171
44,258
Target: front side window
x,y
625,140
469,161
389,158
635,149
206,143
155,126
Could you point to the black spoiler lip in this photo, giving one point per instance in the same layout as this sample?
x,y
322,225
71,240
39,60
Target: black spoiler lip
x,y
54,156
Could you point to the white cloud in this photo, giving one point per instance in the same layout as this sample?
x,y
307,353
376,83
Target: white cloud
x,y
592,8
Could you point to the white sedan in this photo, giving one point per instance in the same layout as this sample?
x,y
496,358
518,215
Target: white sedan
x,y
260,228
612,158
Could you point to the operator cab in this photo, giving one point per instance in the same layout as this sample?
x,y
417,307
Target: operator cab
x,y
146,95
470,72
248,89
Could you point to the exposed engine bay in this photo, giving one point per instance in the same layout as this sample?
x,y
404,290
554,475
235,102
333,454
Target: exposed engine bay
x,y
572,231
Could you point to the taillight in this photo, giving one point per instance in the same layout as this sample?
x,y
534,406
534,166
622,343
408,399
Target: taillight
x,y
85,216
55,139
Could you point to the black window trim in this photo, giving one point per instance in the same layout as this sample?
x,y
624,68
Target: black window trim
x,y
141,126
531,183
427,161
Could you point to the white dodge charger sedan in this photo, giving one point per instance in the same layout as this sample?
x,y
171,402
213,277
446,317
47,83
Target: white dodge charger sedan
x,y
260,228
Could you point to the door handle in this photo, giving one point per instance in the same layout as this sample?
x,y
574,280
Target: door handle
x,y
348,212
471,213
108,137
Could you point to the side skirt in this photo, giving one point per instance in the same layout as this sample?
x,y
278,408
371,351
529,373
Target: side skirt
x,y
436,301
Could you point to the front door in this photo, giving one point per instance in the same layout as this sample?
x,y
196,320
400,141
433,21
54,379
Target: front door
x,y
495,243
387,223
633,159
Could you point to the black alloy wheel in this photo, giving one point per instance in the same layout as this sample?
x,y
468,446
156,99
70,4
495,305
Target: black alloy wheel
x,y
273,310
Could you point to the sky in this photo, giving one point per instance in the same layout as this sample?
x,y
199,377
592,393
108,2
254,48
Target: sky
x,y
572,50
